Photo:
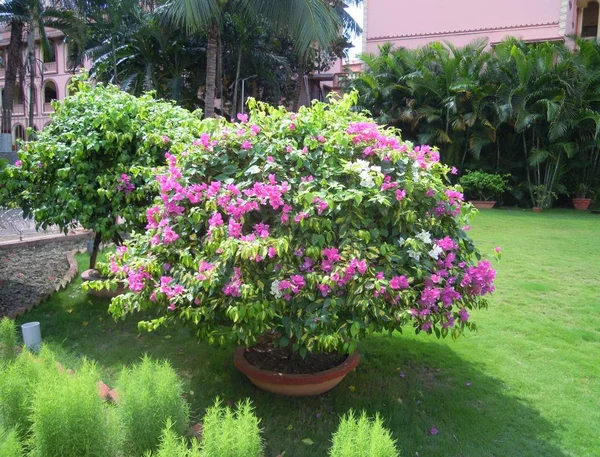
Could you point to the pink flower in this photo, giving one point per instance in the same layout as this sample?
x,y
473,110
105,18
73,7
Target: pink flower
x,y
498,249
246,145
324,289
463,314
400,194
399,282
261,230
254,130
270,159
454,171
172,307
243,118
292,127
430,192
272,252
165,139
466,228
169,235
426,327
321,139
322,205
18,163
380,275
433,430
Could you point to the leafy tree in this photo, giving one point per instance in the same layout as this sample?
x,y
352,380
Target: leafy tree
x,y
92,165
308,22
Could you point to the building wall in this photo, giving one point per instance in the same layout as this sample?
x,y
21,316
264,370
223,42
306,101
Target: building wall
x,y
48,75
414,24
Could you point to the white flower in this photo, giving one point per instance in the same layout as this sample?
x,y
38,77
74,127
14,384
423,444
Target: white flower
x,y
424,236
435,252
401,241
366,180
376,169
414,255
275,289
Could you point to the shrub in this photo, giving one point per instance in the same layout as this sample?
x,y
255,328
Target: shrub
x,y
10,446
70,419
150,393
8,339
92,164
362,437
228,433
320,227
172,445
18,381
484,186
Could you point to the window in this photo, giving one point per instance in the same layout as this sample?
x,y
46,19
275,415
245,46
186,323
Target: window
x,y
18,95
50,92
19,132
50,54
3,55
589,23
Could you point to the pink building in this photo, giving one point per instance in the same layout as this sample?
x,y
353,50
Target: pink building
x,y
52,79
413,24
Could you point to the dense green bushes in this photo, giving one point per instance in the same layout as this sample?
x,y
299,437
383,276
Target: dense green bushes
x,y
150,393
46,411
531,110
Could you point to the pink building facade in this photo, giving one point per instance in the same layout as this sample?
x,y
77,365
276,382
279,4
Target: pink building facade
x,y
413,24
51,83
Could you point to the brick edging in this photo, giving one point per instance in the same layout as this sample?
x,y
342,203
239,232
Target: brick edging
x,y
65,281
42,240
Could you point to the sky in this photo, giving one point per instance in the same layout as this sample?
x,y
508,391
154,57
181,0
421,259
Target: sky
x,y
357,13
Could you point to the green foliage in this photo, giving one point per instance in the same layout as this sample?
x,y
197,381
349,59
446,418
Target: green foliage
x,y
150,394
69,419
229,433
362,437
8,339
93,163
324,183
18,381
484,186
172,445
10,445
530,110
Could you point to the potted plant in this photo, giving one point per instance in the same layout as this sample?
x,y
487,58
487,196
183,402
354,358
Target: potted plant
x,y
541,197
483,188
584,197
295,235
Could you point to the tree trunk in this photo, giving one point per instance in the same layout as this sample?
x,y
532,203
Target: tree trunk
x,y
297,91
211,70
94,255
527,168
234,106
12,67
31,63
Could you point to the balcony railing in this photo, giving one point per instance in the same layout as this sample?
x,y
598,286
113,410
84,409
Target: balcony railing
x,y
18,109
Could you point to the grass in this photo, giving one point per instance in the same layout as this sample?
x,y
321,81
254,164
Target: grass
x,y
527,384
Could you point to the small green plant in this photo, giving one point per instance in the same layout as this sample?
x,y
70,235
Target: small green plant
x,y
362,437
8,339
479,185
150,393
172,445
229,433
10,446
18,381
69,419
542,197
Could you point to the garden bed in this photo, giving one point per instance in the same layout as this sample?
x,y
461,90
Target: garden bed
x,y
28,274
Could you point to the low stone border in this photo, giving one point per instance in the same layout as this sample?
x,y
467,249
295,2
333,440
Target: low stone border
x,y
41,240
65,281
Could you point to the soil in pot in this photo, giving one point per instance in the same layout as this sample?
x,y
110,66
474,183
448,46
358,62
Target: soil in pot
x,y
271,358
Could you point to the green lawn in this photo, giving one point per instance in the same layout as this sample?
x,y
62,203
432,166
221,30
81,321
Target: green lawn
x,y
527,384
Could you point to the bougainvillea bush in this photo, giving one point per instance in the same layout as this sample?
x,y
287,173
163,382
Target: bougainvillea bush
x,y
318,227
93,163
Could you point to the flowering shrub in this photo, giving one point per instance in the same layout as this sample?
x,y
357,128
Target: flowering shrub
x,y
93,163
319,227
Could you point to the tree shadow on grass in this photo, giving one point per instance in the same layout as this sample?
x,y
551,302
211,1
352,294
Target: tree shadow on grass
x,y
414,385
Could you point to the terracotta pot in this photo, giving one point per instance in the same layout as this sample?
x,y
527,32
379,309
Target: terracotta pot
x,y
537,210
582,204
296,385
481,204
94,275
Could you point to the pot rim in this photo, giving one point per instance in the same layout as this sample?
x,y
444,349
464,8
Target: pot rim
x,y
483,201
275,377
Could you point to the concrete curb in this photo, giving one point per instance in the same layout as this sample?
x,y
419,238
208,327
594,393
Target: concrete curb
x,y
47,239
65,281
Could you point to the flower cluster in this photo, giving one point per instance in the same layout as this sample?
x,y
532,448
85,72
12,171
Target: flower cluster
x,y
322,227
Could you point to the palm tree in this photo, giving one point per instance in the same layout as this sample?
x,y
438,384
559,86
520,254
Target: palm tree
x,y
309,22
